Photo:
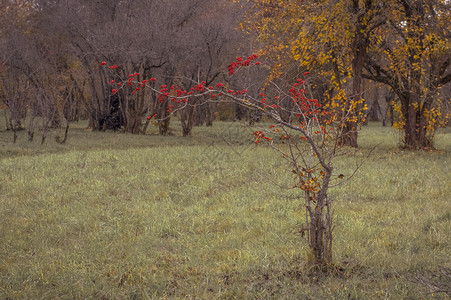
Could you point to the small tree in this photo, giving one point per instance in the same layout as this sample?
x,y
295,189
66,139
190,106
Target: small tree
x,y
308,139
13,94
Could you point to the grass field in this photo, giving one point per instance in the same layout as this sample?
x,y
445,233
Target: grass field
x,y
212,216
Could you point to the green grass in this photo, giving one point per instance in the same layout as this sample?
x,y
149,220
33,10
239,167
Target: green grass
x,y
117,216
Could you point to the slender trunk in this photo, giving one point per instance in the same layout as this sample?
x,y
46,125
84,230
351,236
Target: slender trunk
x,y
319,222
163,123
188,119
44,135
210,114
15,134
7,122
144,127
359,48
31,126
389,97
66,132
375,110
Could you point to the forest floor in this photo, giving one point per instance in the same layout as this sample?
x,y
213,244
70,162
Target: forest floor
x,y
214,216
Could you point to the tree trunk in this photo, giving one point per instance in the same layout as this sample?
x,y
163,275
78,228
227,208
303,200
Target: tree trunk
x,y
318,209
209,114
389,97
145,126
15,134
415,133
321,233
7,121
238,112
31,125
66,132
359,48
187,117
187,123
349,134
375,110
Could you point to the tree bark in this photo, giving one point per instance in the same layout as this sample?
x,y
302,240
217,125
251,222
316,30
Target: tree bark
x,y
320,230
415,123
359,48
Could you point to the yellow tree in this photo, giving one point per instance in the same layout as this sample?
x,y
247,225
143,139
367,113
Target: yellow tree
x,y
330,38
401,43
412,56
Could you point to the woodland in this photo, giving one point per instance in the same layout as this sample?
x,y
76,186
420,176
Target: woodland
x,y
390,58
229,149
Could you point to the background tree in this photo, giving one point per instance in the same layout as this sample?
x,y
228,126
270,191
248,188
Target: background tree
x,y
402,44
411,55
33,53
328,38
211,39
14,94
146,38
13,83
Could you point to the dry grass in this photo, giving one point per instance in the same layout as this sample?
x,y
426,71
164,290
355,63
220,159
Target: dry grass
x,y
115,216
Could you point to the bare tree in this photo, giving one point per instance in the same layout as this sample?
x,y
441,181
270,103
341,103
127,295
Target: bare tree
x,y
36,59
14,94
